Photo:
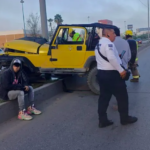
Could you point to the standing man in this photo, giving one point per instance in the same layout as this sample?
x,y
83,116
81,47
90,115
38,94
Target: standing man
x,y
122,45
13,85
110,77
134,60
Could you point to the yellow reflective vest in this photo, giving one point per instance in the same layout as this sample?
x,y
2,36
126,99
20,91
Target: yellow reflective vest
x,y
76,37
137,51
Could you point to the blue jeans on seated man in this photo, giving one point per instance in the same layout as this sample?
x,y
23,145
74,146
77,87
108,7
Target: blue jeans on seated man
x,y
20,96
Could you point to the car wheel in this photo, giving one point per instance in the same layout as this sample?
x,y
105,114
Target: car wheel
x,y
92,81
47,76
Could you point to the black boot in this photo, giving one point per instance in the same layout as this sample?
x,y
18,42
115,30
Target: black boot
x,y
134,80
105,124
129,120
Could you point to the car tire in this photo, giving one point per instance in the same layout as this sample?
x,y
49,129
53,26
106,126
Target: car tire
x,y
47,76
92,81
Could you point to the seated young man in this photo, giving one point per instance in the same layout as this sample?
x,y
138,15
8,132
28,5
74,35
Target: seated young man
x,y
13,85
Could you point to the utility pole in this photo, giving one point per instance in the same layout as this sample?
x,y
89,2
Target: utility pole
x,y
22,1
148,18
43,19
147,12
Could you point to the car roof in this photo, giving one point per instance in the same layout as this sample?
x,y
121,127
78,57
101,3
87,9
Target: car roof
x,y
99,25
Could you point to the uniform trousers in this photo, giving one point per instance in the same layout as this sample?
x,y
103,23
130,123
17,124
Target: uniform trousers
x,y
110,84
134,70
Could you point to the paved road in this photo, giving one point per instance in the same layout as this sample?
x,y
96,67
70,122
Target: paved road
x,y
145,41
143,46
69,122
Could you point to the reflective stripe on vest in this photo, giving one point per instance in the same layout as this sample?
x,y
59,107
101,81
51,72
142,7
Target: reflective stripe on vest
x,y
136,77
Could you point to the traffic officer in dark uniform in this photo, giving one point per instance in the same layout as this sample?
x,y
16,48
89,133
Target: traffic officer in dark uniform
x,y
111,80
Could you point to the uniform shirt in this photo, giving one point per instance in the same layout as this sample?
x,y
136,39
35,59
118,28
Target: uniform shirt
x,y
108,49
122,45
76,37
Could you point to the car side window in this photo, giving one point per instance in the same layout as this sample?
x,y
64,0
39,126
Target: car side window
x,y
76,35
62,36
70,35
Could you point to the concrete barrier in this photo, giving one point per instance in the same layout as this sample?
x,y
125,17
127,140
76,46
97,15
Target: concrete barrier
x,y
76,83
10,109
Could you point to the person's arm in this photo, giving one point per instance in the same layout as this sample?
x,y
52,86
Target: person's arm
x,y
6,83
112,58
128,53
24,79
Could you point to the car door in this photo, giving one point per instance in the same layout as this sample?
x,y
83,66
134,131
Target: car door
x,y
67,53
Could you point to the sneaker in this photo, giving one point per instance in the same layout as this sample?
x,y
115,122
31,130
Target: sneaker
x,y
130,120
105,124
33,110
24,116
134,80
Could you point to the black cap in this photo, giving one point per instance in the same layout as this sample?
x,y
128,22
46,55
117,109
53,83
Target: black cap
x,y
17,62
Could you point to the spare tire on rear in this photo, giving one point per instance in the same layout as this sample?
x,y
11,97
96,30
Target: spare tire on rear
x,y
92,81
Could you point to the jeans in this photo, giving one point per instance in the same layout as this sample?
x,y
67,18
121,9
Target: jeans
x,y
20,95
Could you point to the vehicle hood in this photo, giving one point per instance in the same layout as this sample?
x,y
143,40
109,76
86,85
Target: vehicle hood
x,y
22,45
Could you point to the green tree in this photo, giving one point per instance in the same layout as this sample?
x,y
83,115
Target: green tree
x,y
58,19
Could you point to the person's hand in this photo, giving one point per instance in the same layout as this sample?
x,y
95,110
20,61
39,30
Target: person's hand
x,y
26,88
123,74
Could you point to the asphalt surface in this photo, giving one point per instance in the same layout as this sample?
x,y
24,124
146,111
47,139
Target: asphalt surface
x,y
70,122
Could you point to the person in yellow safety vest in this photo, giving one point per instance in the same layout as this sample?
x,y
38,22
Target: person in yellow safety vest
x,y
75,36
133,63
137,45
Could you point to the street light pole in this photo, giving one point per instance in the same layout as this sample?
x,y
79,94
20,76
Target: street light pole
x,y
148,18
22,1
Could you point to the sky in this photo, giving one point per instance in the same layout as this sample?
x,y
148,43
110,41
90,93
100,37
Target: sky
x,y
76,11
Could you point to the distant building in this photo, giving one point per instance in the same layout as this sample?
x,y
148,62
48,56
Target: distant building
x,y
106,21
6,36
141,31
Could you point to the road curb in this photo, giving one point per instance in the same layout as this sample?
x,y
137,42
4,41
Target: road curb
x,y
10,109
